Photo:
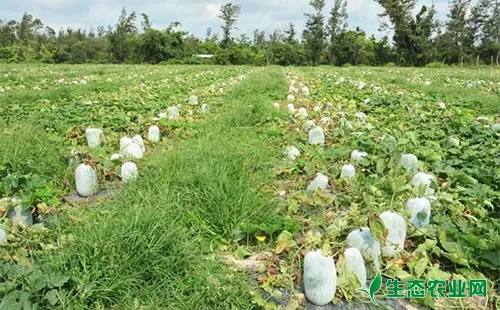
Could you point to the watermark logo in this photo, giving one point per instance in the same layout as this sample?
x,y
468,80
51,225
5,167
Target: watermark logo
x,y
415,288
374,287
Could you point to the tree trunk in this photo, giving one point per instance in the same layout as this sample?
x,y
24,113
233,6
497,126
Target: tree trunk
x,y
498,58
477,61
491,60
461,61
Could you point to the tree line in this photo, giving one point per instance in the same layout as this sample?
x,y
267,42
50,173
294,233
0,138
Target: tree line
x,y
471,35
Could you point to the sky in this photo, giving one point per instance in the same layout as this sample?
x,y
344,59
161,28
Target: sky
x,y
195,15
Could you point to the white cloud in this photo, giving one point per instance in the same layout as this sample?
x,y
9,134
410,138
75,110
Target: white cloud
x,y
54,4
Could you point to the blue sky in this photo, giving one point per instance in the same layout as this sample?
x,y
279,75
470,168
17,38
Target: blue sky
x,y
195,15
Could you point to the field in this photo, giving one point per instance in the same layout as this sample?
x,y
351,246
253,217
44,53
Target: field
x,y
219,217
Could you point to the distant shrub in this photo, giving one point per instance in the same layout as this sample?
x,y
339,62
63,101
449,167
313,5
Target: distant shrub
x,y
436,64
347,65
9,54
187,61
390,65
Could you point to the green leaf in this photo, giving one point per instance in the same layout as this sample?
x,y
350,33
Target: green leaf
x,y
435,273
51,297
380,166
11,183
241,253
10,301
285,242
378,230
418,267
402,275
454,257
56,280
493,257
293,206
399,185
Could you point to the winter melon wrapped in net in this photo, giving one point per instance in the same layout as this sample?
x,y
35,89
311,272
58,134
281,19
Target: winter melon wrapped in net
x,y
154,134
309,125
139,141
423,179
453,142
320,278
396,233
409,162
362,240
357,156
86,180
348,171
129,172
116,157
356,264
302,113
173,112
361,117
205,108
193,100
316,136
292,153
18,215
94,137
320,182
346,124
3,235
420,210
326,120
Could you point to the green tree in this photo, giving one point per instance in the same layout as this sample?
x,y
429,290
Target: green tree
x,y
146,22
355,48
423,30
383,52
412,36
399,14
337,26
26,32
314,32
485,24
121,37
458,38
291,47
8,32
229,14
210,36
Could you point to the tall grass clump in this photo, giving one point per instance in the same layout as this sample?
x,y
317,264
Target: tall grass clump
x,y
138,249
31,163
26,148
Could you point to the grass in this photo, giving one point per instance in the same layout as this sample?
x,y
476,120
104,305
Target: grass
x,y
30,160
151,246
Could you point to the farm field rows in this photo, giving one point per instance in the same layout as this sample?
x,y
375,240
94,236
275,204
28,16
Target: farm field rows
x,y
454,141
221,216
